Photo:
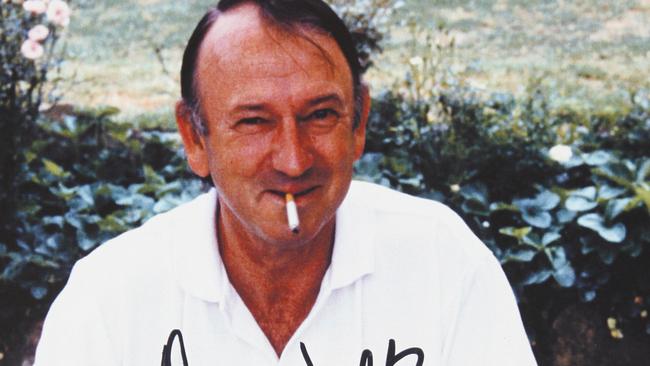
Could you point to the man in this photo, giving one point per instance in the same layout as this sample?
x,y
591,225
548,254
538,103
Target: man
x,y
273,107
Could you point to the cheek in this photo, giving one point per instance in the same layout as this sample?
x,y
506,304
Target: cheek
x,y
237,156
337,149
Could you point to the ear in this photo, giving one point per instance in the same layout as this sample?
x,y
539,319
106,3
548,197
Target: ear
x,y
360,131
197,156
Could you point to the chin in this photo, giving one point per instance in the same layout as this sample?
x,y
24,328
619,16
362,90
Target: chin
x,y
283,237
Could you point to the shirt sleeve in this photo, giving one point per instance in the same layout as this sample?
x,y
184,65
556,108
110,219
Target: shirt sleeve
x,y
74,331
487,329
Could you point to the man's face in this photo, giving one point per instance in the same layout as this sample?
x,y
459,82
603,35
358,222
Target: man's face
x,y
279,112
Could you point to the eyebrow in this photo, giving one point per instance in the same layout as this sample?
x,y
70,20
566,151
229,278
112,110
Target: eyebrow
x,y
333,97
325,98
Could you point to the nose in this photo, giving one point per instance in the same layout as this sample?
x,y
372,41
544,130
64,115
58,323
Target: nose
x,y
292,155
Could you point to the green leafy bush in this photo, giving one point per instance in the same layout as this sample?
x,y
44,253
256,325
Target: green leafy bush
x,y
84,180
562,198
28,33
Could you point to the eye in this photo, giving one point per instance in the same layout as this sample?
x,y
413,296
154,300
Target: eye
x,y
252,125
323,114
251,121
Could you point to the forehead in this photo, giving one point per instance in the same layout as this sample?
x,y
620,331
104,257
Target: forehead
x,y
242,50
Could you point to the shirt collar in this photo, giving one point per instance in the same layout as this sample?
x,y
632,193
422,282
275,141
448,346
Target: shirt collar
x,y
353,255
200,270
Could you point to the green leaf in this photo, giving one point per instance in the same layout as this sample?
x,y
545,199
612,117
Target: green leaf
x,y
616,207
540,219
615,233
501,206
617,172
607,192
564,216
579,204
112,223
86,195
477,192
53,220
165,204
533,211
533,240
520,255
13,269
598,157
643,173
537,277
84,242
152,177
565,276
586,192
476,202
576,160
587,245
557,256
63,192
54,169
546,200
588,296
518,233
607,254
475,207
38,292
550,237
55,241
73,218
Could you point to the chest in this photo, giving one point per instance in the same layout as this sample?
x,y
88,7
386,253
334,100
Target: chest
x,y
280,318
339,329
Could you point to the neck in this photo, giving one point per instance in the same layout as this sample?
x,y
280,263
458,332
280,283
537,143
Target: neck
x,y
244,251
279,284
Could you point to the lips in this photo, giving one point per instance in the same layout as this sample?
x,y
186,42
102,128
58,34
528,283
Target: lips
x,y
297,192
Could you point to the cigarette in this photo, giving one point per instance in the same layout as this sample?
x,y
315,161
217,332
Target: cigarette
x,y
292,213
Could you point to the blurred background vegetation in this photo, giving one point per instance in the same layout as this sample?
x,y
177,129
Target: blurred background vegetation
x,y
529,118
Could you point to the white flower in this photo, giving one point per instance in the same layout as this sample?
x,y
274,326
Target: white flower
x,y
38,33
58,12
416,61
560,153
431,116
31,49
35,6
454,188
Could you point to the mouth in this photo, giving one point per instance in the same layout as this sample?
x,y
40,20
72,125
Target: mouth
x,y
296,194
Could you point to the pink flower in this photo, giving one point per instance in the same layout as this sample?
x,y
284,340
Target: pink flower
x,y
35,6
58,12
31,49
38,33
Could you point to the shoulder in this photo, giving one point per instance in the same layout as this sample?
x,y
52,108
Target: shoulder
x,y
146,251
420,224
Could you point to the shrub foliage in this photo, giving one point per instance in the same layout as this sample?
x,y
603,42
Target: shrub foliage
x,y
571,231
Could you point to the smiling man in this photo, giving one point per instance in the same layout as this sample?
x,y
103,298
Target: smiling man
x,y
273,106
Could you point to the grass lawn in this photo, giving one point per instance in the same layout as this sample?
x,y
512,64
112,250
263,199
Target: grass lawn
x,y
127,53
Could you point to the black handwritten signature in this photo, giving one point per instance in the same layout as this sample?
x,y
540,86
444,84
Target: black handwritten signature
x,y
367,359
366,356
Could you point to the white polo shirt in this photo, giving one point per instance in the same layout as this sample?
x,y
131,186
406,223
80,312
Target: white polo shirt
x,y
403,268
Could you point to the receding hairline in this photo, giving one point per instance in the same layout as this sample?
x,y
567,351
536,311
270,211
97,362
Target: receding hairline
x,y
296,27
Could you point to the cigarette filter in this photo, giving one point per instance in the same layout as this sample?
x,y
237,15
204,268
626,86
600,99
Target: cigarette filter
x,y
292,213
